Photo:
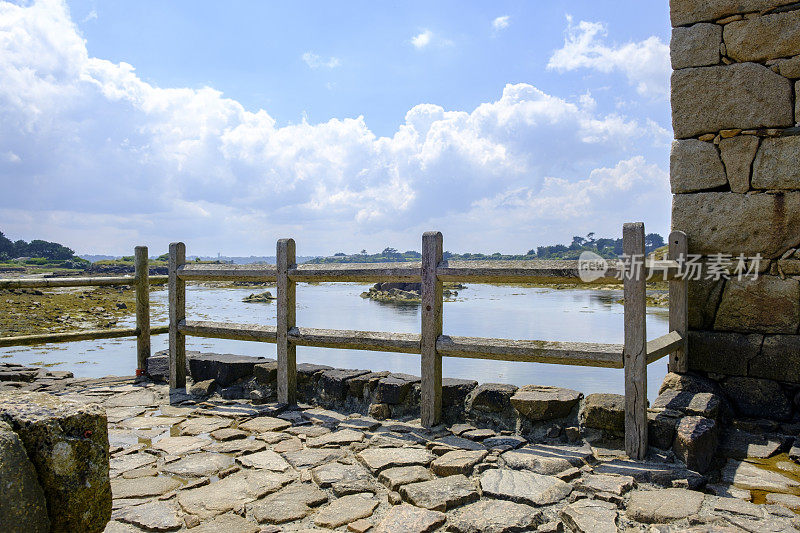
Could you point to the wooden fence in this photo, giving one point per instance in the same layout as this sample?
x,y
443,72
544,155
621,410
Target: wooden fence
x,y
431,344
141,280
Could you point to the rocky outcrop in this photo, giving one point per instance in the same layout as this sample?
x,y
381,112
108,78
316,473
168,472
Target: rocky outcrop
x,y
67,443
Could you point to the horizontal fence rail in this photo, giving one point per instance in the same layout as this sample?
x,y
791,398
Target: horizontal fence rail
x,y
96,281
431,344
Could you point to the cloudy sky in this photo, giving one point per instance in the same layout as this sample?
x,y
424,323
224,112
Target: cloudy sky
x,y
346,125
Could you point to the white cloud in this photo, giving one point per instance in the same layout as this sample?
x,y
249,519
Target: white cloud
x,y
106,160
501,23
645,63
91,16
422,39
316,62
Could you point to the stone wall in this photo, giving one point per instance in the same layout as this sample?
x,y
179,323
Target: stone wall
x,y
735,176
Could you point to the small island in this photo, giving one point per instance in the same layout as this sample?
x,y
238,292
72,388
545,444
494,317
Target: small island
x,y
409,293
262,297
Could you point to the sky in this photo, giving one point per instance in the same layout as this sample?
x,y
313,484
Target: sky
x,y
345,125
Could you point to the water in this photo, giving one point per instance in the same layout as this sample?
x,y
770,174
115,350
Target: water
x,y
479,311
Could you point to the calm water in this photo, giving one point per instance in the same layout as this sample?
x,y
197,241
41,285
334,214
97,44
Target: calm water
x,y
480,311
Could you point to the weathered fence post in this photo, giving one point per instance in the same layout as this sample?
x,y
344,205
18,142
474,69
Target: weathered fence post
x,y
287,352
679,304
177,313
635,351
141,275
431,289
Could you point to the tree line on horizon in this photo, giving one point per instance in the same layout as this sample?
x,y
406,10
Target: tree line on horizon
x,y
605,247
37,251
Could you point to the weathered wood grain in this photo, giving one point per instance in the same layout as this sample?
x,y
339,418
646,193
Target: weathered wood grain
x,y
94,281
358,272
378,341
635,350
679,304
658,348
287,353
206,272
177,313
532,351
229,330
431,328
142,269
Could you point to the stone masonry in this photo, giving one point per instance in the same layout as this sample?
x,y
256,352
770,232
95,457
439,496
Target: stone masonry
x,y
735,176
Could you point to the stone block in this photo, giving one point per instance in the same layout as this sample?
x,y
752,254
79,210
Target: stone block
x,y
779,359
266,374
225,369
743,95
704,296
757,398
604,411
729,223
683,12
768,304
722,353
695,46
455,391
394,388
775,166
695,166
661,427
539,402
491,397
789,68
797,102
157,366
695,442
333,384
23,508
701,403
737,155
67,442
689,382
761,38
666,505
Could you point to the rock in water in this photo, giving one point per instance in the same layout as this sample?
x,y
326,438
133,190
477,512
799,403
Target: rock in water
x,y
22,507
68,444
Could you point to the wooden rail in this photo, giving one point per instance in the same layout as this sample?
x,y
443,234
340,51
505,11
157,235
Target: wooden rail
x,y
141,281
431,344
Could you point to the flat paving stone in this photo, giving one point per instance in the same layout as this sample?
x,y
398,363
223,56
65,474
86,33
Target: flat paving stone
x,y
311,457
478,434
226,434
148,422
324,417
266,460
291,444
345,510
550,460
502,440
144,487
291,503
457,462
139,398
118,414
179,445
263,424
152,516
440,494
342,437
122,439
406,518
739,444
343,479
396,477
663,474
236,447
199,465
199,425
309,431
379,459
665,505
790,501
129,461
230,493
523,486
227,523
749,476
460,442
494,516
590,516
272,437
595,483
363,423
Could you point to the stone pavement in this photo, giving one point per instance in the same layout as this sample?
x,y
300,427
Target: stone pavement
x,y
231,466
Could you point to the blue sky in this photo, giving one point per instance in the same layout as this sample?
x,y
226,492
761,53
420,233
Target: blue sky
x,y
353,125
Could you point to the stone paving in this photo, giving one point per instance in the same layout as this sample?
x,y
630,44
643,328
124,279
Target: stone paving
x,y
230,466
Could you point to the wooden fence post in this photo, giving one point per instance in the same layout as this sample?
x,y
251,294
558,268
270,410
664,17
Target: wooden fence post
x,y
635,351
431,288
142,274
177,313
679,304
287,352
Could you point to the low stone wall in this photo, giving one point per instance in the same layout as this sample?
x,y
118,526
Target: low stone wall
x,y
693,416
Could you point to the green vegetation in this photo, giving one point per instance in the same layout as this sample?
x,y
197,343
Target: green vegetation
x,y
606,247
38,253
